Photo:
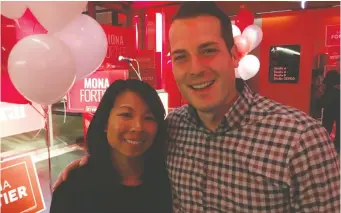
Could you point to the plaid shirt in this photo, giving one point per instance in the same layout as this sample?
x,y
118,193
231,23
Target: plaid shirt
x,y
263,157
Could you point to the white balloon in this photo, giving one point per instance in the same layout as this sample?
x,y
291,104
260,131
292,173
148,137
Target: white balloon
x,y
88,43
254,34
235,31
13,9
248,67
54,15
42,68
236,73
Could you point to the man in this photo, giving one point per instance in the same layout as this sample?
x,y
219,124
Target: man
x,y
232,150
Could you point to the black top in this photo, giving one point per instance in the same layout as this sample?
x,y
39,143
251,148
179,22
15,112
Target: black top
x,y
87,191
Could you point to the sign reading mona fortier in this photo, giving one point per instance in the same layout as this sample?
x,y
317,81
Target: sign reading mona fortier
x,y
20,189
85,94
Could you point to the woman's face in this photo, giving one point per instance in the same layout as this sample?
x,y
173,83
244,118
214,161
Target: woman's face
x,y
131,126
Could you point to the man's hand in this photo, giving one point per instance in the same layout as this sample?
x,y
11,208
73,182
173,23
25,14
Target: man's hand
x,y
73,165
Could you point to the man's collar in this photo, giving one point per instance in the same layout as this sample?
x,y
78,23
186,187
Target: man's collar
x,y
235,114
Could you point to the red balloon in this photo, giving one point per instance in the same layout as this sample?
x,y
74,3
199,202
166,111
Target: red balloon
x,y
244,19
12,31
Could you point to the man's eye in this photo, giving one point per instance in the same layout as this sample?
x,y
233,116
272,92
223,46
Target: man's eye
x,y
210,51
178,58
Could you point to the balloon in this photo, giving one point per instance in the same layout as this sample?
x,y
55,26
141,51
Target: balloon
x,y
42,68
248,67
88,43
244,18
14,30
254,34
236,73
242,45
13,9
54,15
235,31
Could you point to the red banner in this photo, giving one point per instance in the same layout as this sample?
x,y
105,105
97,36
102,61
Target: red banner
x,y
333,35
20,189
121,41
146,59
86,94
87,117
333,55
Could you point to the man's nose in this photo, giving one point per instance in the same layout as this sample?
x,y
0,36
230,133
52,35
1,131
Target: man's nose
x,y
196,66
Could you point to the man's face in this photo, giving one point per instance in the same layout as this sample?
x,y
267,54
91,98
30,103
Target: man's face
x,y
203,67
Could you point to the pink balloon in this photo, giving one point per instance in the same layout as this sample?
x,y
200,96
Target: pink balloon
x,y
235,31
54,15
87,42
254,35
42,68
13,9
242,45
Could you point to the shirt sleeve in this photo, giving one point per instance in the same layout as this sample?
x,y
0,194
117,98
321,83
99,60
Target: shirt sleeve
x,y
315,174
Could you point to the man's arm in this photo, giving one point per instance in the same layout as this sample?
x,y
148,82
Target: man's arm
x,y
315,174
71,166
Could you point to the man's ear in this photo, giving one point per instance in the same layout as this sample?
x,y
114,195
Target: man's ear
x,y
236,56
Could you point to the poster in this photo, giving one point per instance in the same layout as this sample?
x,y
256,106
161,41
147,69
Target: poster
x,y
85,94
20,189
332,35
284,64
20,118
121,42
333,55
147,62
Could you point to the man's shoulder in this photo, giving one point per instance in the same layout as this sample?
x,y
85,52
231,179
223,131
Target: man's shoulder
x,y
272,110
177,114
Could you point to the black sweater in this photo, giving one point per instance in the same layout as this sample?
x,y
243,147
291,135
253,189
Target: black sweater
x,y
87,191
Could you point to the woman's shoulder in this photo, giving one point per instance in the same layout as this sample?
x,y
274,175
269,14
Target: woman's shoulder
x,y
78,179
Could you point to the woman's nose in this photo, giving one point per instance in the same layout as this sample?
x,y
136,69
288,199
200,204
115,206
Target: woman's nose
x,y
137,125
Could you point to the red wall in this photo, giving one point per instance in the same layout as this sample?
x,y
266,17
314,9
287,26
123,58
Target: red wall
x,y
306,28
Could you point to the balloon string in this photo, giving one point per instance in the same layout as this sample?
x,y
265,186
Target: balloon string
x,y
48,143
64,103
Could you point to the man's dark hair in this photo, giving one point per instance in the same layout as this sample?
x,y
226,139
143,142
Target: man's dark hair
x,y
192,9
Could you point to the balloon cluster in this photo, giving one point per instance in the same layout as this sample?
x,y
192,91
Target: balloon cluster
x,y
247,36
44,64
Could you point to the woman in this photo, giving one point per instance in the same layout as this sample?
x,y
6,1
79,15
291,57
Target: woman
x,y
126,170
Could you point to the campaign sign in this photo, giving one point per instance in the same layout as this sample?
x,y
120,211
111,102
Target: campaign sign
x,y
20,190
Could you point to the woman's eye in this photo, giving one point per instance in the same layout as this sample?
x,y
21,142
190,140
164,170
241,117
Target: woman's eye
x,y
125,115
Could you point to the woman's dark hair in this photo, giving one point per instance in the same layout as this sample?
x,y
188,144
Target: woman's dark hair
x,y
98,146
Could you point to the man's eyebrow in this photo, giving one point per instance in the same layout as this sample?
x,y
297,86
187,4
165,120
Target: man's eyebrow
x,y
201,46
207,44
179,51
